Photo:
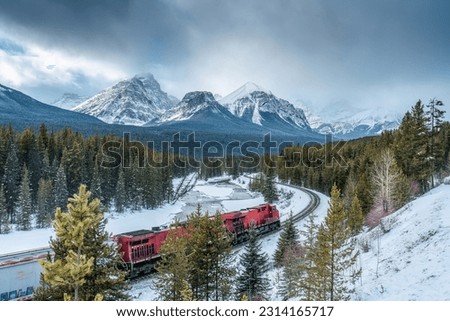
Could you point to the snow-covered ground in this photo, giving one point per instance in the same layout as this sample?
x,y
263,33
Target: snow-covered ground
x,y
408,255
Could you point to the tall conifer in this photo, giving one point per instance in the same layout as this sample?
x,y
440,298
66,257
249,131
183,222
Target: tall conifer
x,y
254,263
85,264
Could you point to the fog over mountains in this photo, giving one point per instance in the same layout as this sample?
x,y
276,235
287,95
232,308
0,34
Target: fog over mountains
x,y
140,101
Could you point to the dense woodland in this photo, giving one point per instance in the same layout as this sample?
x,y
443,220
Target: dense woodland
x,y
366,179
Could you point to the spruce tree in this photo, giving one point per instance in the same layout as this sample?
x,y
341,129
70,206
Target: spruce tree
x,y
4,219
120,198
252,280
45,204
309,283
290,286
269,189
11,181
72,160
335,254
289,240
60,188
25,208
421,161
85,264
355,216
96,183
210,257
435,119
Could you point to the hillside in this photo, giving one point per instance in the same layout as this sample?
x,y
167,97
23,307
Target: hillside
x,y
408,255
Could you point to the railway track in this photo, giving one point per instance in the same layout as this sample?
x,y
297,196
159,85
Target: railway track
x,y
312,205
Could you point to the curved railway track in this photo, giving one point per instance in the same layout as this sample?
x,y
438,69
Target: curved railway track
x,y
312,205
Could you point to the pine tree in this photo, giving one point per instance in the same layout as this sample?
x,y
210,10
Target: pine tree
x,y
85,263
96,183
173,269
290,286
252,280
45,204
269,190
60,188
11,181
222,270
4,219
435,119
355,216
308,279
421,162
335,255
289,239
25,208
120,199
72,160
210,257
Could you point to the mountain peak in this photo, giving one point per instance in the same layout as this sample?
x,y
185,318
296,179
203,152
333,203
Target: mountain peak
x,y
145,76
198,97
135,101
251,87
69,100
243,91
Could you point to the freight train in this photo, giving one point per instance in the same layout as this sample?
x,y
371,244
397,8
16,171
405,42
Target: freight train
x,y
141,249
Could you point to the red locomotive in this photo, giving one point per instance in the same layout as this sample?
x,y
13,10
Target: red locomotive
x,y
140,249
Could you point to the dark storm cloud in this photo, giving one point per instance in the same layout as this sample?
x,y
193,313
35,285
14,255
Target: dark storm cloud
x,y
319,50
112,27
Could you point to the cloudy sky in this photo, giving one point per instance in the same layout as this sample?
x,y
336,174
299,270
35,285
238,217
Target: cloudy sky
x,y
380,54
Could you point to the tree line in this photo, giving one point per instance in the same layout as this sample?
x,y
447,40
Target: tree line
x,y
38,172
382,172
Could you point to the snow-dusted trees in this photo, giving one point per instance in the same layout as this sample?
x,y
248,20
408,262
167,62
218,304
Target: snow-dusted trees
x,y
11,181
45,203
288,242
4,218
60,188
252,281
25,209
120,200
265,184
85,264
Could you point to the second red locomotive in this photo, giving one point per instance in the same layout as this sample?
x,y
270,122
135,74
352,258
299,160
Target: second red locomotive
x,y
140,249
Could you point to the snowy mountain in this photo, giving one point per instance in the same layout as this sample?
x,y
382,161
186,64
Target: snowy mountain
x,y
256,105
23,111
135,101
348,123
200,111
191,105
69,101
